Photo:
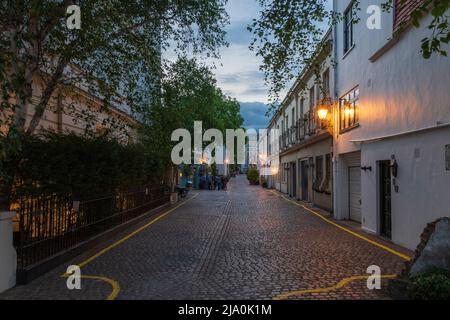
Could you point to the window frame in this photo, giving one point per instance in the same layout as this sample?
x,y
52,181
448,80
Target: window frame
x,y
326,83
352,98
348,22
312,98
318,173
293,117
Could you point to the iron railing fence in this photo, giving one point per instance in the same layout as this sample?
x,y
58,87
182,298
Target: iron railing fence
x,y
50,224
305,128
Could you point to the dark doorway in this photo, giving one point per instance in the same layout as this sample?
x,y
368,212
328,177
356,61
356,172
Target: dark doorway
x,y
294,180
304,179
385,199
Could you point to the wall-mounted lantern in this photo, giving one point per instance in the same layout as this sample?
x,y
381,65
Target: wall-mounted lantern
x,y
322,113
325,112
394,168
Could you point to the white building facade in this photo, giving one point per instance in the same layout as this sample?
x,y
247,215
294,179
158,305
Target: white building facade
x,y
392,126
305,144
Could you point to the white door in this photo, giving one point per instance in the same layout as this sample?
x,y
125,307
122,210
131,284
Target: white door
x,y
354,190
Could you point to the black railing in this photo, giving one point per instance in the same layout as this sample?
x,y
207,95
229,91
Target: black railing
x,y
304,128
51,224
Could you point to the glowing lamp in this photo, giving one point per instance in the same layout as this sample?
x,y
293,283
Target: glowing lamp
x,y
322,113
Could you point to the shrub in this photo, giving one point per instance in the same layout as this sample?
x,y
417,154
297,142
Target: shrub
x,y
253,176
79,166
264,182
432,285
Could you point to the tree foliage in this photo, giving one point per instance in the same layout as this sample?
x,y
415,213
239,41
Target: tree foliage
x,y
189,94
117,51
86,166
253,176
77,166
116,56
288,32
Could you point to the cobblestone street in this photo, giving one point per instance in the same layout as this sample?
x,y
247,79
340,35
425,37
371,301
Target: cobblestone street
x,y
245,243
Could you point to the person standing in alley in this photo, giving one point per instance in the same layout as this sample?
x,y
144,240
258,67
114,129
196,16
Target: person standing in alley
x,y
224,183
218,183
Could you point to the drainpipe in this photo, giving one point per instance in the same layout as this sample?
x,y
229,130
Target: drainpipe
x,y
335,199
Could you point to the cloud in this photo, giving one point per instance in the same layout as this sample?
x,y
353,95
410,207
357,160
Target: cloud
x,y
254,115
237,71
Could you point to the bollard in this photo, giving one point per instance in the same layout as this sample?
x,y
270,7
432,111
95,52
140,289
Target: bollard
x,y
8,261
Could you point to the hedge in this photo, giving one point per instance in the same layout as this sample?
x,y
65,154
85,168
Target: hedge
x,y
78,165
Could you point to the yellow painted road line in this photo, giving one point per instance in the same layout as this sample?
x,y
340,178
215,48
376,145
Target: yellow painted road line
x,y
344,282
132,234
399,254
114,284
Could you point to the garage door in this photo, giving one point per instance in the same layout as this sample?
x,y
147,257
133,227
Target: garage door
x,y
354,175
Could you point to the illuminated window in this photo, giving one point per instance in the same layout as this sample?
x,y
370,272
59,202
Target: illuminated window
x,y
349,110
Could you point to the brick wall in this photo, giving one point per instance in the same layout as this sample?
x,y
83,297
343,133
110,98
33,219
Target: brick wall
x,y
403,10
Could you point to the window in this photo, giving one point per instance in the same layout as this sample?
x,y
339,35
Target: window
x,y
285,172
293,117
348,29
319,173
326,84
302,107
349,111
312,101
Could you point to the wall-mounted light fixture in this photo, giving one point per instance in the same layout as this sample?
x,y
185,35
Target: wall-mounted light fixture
x,y
394,168
325,112
365,168
322,113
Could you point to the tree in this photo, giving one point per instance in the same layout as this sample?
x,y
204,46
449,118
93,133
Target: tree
x,y
189,94
115,55
116,51
288,32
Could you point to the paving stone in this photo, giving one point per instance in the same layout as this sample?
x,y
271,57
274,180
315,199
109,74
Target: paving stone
x,y
245,243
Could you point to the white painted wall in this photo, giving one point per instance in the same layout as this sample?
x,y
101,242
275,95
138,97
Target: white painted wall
x,y
424,184
401,91
8,257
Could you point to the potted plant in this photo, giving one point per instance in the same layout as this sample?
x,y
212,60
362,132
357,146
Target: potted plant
x,y
253,176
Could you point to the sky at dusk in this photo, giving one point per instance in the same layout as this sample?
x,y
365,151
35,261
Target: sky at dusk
x,y
239,75
237,72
